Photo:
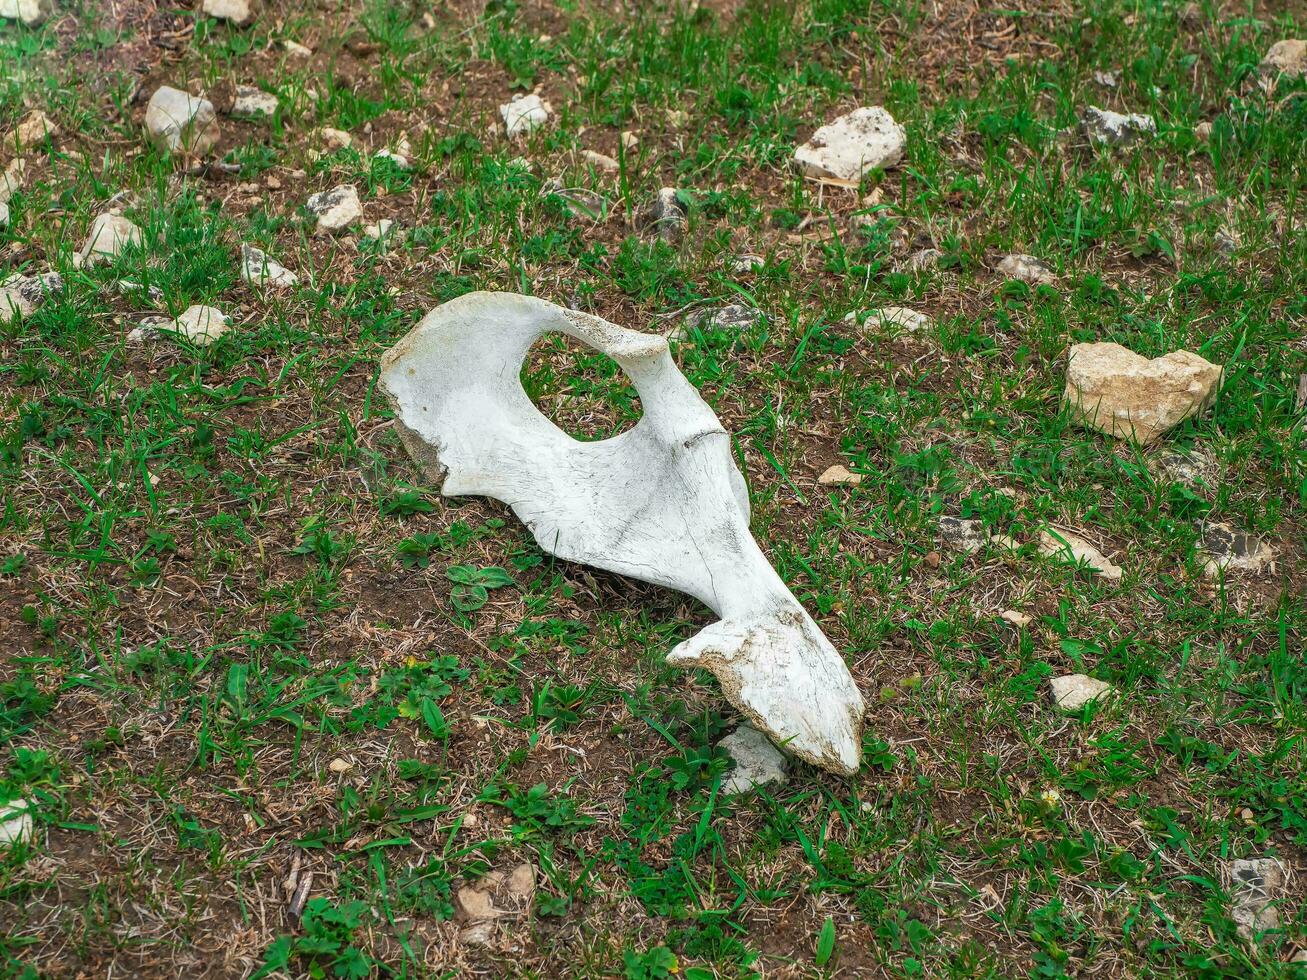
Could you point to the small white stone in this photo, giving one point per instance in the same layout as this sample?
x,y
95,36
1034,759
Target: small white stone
x,y
1027,268
398,159
757,761
838,476
295,49
1287,58
11,181
1230,550
16,824
252,101
1255,884
335,139
741,264
201,325
21,296
1072,547
35,127
1107,79
233,11
260,269
109,235
380,229
894,316
339,766
33,13
860,141
600,162
1074,691
1115,129
629,139
963,534
524,114
178,122
336,209
1015,618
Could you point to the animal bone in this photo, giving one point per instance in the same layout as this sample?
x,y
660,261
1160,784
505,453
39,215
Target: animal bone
x,y
662,502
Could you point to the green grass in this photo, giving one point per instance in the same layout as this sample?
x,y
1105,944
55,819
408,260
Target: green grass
x,y
242,638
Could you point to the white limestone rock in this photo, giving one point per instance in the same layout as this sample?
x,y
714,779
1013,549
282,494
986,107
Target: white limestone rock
x,y
379,230
665,214
757,761
1073,548
600,161
233,11
13,178
34,127
109,235
336,209
524,114
16,824
1074,691
838,476
335,139
21,296
1256,884
860,141
663,502
1110,128
1113,390
1287,58
178,122
1230,550
295,49
399,160
253,101
260,269
963,534
893,316
32,13
201,325
1026,268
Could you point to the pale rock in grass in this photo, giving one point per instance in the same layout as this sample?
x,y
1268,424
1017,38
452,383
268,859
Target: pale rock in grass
x,y
600,161
757,761
1203,131
16,824
233,11
678,118
1231,550
893,316
399,160
838,476
32,13
1107,79
1256,884
260,269
1026,268
489,903
201,325
21,296
295,49
253,101
127,287
1287,58
336,209
746,263
1110,128
110,234
1113,390
178,122
1015,617
381,230
1196,469
860,141
734,316
665,214
924,259
963,534
1227,242
524,114
1074,691
4,215
1073,548
13,178
34,127
629,139
335,139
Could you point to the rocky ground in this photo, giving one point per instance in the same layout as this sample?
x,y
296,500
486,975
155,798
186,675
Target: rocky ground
x,y
1005,310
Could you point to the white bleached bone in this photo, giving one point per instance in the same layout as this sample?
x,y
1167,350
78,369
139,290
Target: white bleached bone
x,y
662,502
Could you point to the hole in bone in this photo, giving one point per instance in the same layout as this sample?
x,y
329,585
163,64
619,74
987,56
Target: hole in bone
x,y
581,390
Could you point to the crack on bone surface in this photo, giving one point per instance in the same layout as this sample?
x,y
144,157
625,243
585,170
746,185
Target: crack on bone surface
x,y
659,502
